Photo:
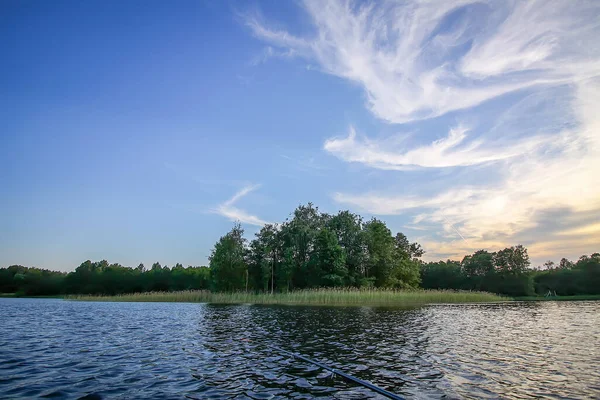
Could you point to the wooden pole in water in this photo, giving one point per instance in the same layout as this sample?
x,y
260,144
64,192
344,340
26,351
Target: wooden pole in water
x,y
342,374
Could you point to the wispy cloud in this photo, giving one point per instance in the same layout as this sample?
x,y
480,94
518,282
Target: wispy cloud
x,y
305,164
450,151
491,215
230,211
424,59
269,52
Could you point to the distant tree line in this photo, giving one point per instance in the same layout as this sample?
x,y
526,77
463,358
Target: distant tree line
x,y
570,278
507,272
102,278
315,249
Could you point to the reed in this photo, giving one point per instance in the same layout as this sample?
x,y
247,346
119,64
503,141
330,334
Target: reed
x,y
560,298
333,297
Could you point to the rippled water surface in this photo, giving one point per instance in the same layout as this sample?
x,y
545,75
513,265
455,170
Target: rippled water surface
x,y
64,349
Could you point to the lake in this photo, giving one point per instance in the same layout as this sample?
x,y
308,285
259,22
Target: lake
x,y
65,349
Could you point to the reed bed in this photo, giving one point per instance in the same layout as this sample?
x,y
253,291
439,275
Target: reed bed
x,y
329,297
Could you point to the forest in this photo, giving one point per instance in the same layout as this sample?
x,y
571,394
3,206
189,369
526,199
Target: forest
x,y
312,249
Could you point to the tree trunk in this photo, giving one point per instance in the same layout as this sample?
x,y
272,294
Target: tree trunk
x,y
272,276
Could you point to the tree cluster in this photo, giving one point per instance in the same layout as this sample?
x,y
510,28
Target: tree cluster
x,y
31,281
102,278
314,249
507,272
570,278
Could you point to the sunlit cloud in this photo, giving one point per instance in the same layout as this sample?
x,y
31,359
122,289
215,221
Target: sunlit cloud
x,y
426,59
493,215
591,229
230,211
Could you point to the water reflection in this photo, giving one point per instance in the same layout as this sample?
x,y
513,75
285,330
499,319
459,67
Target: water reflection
x,y
144,350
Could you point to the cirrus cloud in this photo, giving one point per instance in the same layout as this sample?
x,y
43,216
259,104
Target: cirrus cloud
x,y
419,60
423,59
230,211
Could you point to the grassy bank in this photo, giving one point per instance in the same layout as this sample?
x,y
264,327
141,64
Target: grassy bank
x,y
560,298
334,297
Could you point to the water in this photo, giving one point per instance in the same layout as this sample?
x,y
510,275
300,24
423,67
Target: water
x,y
62,349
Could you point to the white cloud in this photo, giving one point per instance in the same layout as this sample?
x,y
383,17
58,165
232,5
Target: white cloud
x,y
548,37
422,59
450,151
229,210
494,215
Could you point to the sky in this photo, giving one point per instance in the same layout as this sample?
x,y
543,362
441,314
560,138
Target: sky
x,y
140,131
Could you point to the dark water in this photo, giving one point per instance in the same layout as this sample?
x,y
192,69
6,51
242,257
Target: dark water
x,y
61,349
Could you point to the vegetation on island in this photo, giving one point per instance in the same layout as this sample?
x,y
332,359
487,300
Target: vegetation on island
x,y
314,250
326,296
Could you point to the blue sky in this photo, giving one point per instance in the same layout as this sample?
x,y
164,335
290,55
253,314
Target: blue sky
x,y
139,131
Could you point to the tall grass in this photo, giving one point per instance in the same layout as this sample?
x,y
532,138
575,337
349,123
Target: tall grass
x,y
560,298
334,297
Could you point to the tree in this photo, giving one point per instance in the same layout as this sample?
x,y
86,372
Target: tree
x,y
299,236
410,250
512,260
264,254
588,270
512,274
327,266
549,264
348,228
228,261
477,269
381,250
406,265
156,267
442,275
565,264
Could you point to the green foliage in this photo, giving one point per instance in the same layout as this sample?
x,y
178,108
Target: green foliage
x,y
263,257
568,278
478,269
101,278
314,249
328,261
442,275
348,229
507,271
228,267
512,261
30,281
380,246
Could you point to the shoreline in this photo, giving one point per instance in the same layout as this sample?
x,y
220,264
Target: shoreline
x,y
577,297
318,297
